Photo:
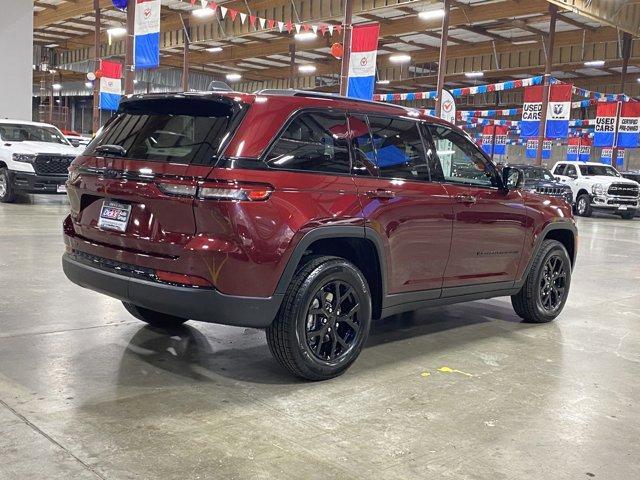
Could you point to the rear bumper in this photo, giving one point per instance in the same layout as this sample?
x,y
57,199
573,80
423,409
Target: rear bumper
x,y
26,182
200,304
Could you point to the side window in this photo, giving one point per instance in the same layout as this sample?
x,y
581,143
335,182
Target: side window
x,y
399,149
314,142
559,170
363,148
435,168
571,171
461,160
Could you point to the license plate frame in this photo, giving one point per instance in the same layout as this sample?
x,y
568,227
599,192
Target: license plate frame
x,y
114,216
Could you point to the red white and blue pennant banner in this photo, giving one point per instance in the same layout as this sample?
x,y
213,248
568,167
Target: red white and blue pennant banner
x,y
110,85
362,62
579,148
500,147
147,34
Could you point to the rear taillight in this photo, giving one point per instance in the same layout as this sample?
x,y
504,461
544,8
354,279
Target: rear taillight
x,y
181,279
233,191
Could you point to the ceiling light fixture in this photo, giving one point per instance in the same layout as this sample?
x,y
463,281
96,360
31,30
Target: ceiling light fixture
x,y
117,31
474,74
383,82
431,14
524,42
400,58
56,86
213,49
88,84
304,36
594,63
233,77
202,12
307,68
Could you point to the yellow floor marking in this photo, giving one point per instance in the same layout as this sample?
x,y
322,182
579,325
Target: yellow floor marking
x,y
451,370
425,374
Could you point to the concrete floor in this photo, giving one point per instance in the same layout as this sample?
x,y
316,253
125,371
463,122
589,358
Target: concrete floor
x,y
88,392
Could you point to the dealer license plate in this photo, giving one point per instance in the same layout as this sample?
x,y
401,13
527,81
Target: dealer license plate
x,y
114,216
61,188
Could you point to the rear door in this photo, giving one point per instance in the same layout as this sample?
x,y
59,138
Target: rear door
x,y
411,214
142,170
490,224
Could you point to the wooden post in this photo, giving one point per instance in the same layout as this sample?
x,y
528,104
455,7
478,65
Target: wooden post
x,y
626,54
551,40
95,125
292,65
185,55
346,43
129,72
442,61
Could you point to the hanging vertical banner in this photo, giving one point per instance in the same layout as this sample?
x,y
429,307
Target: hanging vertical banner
x,y
605,129
573,149
110,85
585,149
362,61
531,111
629,125
559,111
448,112
500,147
147,34
532,148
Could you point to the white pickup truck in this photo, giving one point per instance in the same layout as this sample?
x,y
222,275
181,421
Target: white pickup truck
x,y
599,187
34,158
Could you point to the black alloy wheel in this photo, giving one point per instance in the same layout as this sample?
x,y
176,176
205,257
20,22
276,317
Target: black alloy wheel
x,y
333,323
553,283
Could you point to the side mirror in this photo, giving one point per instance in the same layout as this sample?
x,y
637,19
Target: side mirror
x,y
512,178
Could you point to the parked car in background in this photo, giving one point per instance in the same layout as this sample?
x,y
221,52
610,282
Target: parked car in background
x,y
539,179
635,176
34,158
307,215
76,139
599,187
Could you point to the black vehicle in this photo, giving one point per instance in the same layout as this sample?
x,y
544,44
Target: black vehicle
x,y
540,180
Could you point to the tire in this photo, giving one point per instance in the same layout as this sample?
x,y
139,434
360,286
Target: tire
x,y
583,205
545,290
321,345
7,193
628,215
153,318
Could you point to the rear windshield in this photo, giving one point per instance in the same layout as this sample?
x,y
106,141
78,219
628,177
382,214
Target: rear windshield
x,y
176,130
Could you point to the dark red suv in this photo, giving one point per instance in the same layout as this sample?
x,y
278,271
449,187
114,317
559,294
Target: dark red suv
x,y
305,214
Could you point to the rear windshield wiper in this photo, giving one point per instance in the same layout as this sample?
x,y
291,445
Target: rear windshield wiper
x,y
110,149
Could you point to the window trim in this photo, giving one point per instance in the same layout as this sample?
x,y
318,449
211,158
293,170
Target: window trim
x,y
292,117
482,154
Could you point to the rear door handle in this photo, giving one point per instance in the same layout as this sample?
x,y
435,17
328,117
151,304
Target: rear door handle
x,y
380,193
466,199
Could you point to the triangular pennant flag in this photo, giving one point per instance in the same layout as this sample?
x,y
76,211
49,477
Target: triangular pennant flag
x,y
193,2
330,28
338,28
323,29
223,11
289,26
213,6
281,26
298,26
271,23
263,21
243,17
233,13
305,27
203,3
252,20
314,28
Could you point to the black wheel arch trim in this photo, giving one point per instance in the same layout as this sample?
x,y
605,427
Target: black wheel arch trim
x,y
332,231
558,225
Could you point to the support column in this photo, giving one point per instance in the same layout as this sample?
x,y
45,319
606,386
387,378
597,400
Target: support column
x,y
551,40
626,54
346,43
185,55
95,125
292,65
129,73
442,61
16,52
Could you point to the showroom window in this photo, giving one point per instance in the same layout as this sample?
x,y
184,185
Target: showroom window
x,y
313,142
461,160
399,149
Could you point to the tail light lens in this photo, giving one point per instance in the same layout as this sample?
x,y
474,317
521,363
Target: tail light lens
x,y
181,279
233,191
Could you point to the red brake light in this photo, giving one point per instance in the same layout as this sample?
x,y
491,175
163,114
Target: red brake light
x,y
182,279
234,191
